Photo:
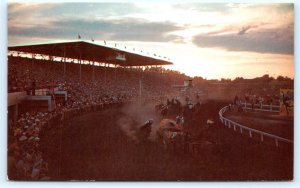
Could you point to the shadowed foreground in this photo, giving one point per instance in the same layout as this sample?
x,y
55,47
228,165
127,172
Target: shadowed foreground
x,y
93,147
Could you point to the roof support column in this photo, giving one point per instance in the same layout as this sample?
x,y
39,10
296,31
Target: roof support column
x,y
115,71
32,59
80,68
31,67
64,62
93,71
104,73
141,84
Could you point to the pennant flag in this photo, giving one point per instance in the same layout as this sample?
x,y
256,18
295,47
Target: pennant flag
x,y
79,37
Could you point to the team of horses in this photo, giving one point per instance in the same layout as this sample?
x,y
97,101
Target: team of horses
x,y
171,136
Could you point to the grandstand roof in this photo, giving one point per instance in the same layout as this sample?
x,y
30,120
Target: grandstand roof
x,y
91,52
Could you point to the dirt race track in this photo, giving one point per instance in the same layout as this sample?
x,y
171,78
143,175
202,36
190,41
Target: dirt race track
x,y
93,147
272,123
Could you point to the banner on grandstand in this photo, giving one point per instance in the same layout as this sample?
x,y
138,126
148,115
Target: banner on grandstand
x,y
120,57
286,102
117,57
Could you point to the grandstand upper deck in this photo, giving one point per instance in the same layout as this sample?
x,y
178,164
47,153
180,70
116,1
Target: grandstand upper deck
x,y
81,50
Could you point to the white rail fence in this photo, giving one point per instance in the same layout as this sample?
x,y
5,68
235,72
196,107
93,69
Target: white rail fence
x,y
243,129
261,107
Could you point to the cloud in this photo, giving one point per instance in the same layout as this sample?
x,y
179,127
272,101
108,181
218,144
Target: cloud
x,y
244,30
284,8
222,8
92,9
107,21
71,9
128,29
276,40
25,10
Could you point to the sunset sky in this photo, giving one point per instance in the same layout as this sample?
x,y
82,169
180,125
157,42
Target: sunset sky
x,y
210,40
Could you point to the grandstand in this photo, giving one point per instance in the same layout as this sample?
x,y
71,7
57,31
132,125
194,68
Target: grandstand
x,y
82,53
48,80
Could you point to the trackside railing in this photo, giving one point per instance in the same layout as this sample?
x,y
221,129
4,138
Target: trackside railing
x,y
236,126
261,107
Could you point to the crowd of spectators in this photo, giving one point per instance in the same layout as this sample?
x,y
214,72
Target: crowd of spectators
x,y
256,99
95,88
268,98
25,161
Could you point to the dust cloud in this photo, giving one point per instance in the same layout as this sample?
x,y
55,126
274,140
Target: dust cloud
x,y
134,115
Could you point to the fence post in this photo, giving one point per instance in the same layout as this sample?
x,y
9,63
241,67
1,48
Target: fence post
x,y
250,134
276,142
234,127
262,137
241,130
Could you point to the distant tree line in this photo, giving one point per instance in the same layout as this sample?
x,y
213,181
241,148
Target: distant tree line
x,y
264,78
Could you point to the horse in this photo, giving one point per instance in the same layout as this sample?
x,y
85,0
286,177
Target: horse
x,y
161,109
170,136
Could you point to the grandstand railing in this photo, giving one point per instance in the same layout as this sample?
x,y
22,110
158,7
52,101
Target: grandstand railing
x,y
229,123
45,91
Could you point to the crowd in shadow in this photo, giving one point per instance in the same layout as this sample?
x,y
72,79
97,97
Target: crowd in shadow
x,y
89,88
